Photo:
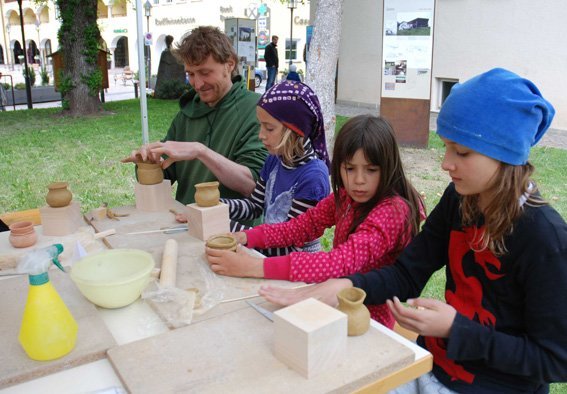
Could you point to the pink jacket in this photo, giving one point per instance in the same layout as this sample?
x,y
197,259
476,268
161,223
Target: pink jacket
x,y
376,242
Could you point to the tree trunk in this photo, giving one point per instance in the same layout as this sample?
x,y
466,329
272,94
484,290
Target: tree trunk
x,y
322,61
78,26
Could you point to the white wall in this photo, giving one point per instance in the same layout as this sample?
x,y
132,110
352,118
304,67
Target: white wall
x,y
524,36
471,36
360,54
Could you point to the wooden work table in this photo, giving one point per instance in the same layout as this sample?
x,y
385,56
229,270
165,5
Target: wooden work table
x,y
227,346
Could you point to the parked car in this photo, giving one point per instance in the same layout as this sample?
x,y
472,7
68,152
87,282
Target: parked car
x,y
258,77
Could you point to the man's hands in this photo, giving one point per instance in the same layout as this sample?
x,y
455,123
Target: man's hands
x,y
239,264
175,151
427,317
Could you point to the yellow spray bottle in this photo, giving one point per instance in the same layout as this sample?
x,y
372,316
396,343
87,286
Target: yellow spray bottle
x,y
48,329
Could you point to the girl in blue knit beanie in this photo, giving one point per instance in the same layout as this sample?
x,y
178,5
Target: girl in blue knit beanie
x,y
503,327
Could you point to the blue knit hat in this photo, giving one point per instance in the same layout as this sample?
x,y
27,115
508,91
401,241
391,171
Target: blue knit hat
x,y
498,114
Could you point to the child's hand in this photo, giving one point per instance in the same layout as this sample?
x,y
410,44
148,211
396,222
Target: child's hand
x,y
181,217
428,317
240,237
239,263
325,292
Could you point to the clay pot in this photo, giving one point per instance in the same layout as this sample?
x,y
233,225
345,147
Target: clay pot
x,y
22,234
149,173
350,303
58,195
207,194
222,242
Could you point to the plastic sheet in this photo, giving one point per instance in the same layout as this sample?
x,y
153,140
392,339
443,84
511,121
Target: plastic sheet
x,y
177,306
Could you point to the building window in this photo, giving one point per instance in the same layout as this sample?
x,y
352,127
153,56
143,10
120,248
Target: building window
x,y
293,49
444,86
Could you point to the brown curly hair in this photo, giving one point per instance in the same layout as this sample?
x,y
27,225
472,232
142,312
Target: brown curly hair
x,y
202,42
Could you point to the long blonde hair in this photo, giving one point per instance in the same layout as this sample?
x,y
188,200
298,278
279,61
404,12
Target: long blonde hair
x,y
508,186
290,146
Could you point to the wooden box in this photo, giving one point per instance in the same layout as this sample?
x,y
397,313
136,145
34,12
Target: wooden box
x,y
206,221
310,336
152,198
61,221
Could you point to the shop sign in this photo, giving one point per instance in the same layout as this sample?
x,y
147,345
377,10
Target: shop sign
x,y
176,21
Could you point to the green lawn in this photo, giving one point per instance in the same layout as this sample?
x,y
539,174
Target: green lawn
x,y
40,146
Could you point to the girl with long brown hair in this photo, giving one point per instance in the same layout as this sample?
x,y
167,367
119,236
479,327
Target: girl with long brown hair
x,y
374,209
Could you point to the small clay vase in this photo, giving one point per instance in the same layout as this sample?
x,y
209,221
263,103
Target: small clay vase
x,y
207,194
58,195
22,234
350,303
149,173
222,242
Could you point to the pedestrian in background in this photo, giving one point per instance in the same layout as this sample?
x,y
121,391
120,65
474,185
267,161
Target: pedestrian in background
x,y
272,61
292,75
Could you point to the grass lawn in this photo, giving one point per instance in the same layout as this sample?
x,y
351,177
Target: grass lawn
x,y
40,146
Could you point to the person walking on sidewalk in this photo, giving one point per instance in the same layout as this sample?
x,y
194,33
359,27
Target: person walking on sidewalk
x,y
272,61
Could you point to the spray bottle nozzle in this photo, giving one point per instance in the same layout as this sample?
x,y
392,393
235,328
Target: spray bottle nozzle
x,y
59,250
38,261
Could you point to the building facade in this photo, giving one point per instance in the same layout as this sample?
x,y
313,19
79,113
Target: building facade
x,y
470,37
117,23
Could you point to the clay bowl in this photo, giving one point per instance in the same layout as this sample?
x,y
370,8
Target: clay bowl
x,y
222,242
149,173
58,195
207,194
114,278
22,234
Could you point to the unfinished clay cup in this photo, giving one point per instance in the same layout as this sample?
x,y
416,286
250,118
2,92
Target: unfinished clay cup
x,y
149,173
58,195
22,234
207,194
222,242
351,303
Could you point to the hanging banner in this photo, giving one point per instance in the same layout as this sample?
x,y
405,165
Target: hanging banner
x,y
407,49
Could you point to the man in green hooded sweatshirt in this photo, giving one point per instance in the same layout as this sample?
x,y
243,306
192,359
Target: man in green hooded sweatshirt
x,y
215,134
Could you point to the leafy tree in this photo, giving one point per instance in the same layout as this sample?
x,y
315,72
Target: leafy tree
x,y
81,80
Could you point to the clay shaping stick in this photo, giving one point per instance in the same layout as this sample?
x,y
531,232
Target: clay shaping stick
x,y
168,273
257,295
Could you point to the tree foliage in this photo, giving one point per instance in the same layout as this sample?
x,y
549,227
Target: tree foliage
x,y
79,39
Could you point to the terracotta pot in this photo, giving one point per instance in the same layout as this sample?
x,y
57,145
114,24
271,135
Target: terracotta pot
x,y
58,195
149,173
207,194
22,234
350,303
222,242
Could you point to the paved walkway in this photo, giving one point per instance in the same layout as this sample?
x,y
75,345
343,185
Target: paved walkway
x,y
553,138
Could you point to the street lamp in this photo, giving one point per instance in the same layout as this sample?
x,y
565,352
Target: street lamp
x,y
148,13
292,5
9,49
37,25
27,72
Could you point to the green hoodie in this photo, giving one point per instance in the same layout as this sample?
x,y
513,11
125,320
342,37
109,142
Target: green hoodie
x,y
230,129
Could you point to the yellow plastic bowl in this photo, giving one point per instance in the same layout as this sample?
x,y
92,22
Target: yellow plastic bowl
x,y
114,278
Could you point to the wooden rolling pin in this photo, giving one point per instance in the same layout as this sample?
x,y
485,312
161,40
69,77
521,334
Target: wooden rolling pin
x,y
169,264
